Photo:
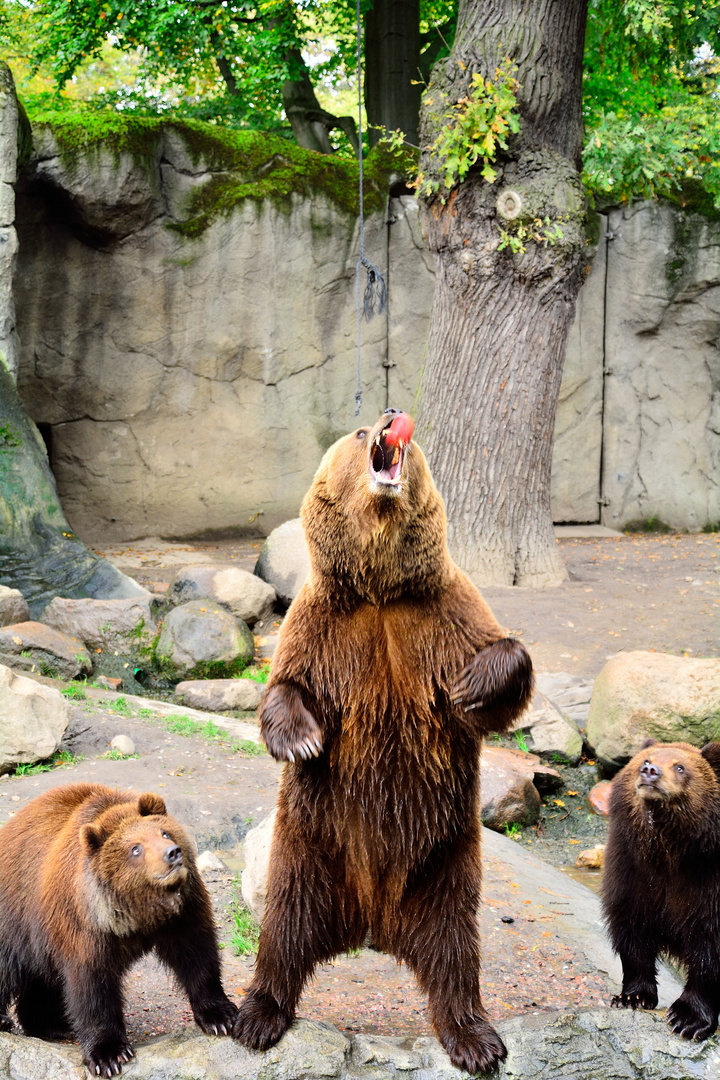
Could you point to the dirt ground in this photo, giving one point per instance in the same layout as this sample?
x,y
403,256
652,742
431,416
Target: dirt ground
x,y
635,592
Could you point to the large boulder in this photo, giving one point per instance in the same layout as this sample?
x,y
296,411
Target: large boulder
x,y
640,695
569,693
219,695
202,640
13,606
103,624
33,718
246,595
284,561
37,647
257,860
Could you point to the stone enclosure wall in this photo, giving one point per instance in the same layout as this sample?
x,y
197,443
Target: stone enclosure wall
x,y
191,385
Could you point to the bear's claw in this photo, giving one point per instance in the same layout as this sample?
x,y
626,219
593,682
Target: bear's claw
x,y
692,1018
475,1048
217,1017
290,731
261,1021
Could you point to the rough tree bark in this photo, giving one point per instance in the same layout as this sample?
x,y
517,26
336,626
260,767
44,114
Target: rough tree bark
x,y
392,68
500,320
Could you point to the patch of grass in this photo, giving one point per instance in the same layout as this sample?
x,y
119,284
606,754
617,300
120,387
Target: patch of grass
x,y
711,527
74,690
559,759
521,742
258,675
185,725
246,932
514,831
145,713
59,758
116,755
120,705
247,748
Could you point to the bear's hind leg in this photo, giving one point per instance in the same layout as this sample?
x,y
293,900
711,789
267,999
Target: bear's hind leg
x,y
41,1012
312,914
695,1013
436,933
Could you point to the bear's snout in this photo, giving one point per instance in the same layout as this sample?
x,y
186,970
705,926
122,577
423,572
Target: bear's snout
x,y
649,772
173,856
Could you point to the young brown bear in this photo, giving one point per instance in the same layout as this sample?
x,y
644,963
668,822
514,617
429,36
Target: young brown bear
x,y
661,882
389,670
91,879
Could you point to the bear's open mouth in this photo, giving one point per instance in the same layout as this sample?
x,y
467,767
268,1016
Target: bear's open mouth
x,y
388,450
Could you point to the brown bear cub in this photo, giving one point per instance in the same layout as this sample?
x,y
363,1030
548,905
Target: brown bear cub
x,y
91,879
389,670
661,882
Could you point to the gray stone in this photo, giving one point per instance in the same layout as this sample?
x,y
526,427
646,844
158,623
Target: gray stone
x,y
640,695
257,859
202,639
569,693
550,731
9,344
33,719
13,606
507,792
246,595
284,561
209,863
597,1044
48,651
103,624
220,695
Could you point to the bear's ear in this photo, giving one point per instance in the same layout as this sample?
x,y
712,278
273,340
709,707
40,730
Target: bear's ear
x,y
711,753
149,803
648,742
92,839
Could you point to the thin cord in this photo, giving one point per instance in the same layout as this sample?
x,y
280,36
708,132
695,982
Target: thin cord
x,y
375,298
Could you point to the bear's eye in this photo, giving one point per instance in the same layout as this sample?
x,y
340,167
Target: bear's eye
x,y
166,836
679,768
360,434
136,850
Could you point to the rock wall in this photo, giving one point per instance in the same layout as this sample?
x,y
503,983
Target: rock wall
x,y
8,235
192,385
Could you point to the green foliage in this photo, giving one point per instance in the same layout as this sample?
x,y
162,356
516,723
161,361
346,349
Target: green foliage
x,y
257,674
246,933
186,726
117,755
514,831
650,91
120,705
537,231
647,525
75,691
472,130
9,438
58,759
521,742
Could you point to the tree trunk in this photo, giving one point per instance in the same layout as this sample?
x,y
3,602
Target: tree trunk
x,y
500,320
311,124
392,68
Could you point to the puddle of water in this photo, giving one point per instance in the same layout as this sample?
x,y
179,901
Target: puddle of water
x,y
590,878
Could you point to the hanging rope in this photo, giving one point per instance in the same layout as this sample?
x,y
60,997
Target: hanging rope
x,y
375,298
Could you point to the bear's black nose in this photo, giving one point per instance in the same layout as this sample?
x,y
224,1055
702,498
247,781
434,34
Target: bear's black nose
x,y
649,771
173,855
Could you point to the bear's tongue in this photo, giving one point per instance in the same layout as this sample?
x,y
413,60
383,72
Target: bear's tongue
x,y
389,448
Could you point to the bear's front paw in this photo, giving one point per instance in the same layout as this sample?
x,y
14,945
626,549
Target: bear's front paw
x,y
216,1017
498,678
474,1047
261,1021
644,997
107,1058
288,728
692,1017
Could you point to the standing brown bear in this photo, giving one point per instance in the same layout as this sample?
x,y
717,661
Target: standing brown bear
x,y
389,670
661,881
91,879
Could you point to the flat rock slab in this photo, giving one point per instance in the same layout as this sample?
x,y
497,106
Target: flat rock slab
x,y
48,650
102,624
220,695
599,1044
246,595
569,693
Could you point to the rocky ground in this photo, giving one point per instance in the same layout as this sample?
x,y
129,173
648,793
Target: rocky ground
x,y
638,592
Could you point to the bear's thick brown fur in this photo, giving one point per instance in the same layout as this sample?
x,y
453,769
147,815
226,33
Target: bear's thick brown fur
x,y
389,670
661,880
91,879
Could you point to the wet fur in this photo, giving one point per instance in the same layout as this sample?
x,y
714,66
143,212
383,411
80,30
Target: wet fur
x,y
76,912
391,662
661,882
